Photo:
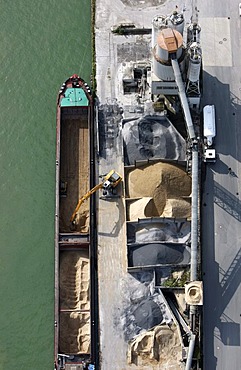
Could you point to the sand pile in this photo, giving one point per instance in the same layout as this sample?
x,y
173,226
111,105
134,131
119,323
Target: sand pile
x,y
74,280
141,208
82,218
74,295
160,346
161,182
74,333
74,172
179,208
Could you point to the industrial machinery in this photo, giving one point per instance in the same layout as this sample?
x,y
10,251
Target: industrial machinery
x,y
110,181
209,133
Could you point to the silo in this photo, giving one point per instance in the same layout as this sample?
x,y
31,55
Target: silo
x,y
193,33
194,66
169,43
159,22
176,21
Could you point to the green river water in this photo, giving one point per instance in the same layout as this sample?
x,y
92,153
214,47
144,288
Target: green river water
x,y
42,43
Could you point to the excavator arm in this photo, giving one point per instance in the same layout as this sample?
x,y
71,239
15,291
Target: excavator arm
x,y
111,180
82,199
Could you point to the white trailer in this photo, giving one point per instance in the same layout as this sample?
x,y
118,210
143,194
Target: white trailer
x,y
209,133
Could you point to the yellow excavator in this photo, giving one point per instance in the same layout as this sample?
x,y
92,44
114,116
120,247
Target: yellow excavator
x,y
110,181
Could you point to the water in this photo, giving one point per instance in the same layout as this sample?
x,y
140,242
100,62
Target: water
x,y
41,44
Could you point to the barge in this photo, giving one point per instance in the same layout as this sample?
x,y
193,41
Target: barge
x,y
72,347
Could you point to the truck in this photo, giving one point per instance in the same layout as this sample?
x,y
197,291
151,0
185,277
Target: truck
x,y
209,133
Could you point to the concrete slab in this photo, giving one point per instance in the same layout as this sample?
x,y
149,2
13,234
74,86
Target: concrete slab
x,y
216,42
117,288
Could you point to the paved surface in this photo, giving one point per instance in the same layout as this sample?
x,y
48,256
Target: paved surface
x,y
221,199
113,284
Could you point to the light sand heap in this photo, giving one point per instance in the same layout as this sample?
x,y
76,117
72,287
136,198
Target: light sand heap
x,y
74,295
75,333
164,189
178,208
82,218
141,208
159,346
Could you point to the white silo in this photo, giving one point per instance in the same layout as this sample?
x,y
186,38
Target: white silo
x,y
195,58
193,74
193,33
159,22
176,21
169,43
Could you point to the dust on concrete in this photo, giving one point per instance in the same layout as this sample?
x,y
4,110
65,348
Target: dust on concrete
x,y
109,119
143,3
138,50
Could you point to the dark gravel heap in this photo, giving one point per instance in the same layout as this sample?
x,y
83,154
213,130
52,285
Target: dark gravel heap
x,y
152,137
159,254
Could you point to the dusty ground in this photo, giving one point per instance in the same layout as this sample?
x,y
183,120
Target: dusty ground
x,y
74,170
74,297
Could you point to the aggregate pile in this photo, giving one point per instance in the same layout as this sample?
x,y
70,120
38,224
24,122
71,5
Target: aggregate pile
x,y
181,208
143,306
152,137
74,173
170,231
153,339
159,254
82,218
141,208
74,296
159,346
164,190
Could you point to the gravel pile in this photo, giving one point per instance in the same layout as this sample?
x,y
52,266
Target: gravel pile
x,y
162,187
152,137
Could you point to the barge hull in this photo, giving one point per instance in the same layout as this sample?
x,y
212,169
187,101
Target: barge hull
x,y
72,242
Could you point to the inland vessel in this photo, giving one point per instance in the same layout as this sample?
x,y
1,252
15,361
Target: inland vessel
x,y
72,346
